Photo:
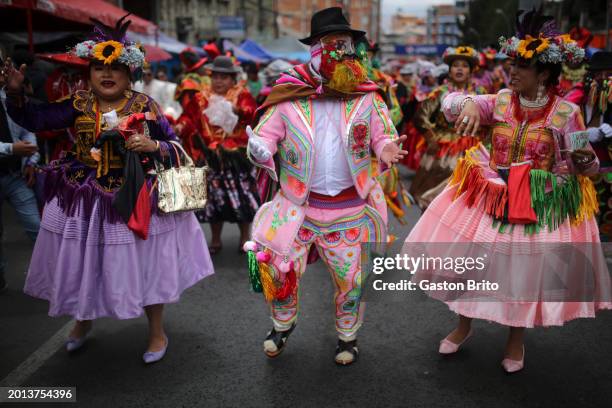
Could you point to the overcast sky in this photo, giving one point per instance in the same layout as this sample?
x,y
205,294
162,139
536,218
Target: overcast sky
x,y
418,7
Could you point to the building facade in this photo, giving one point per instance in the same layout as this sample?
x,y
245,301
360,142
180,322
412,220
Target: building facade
x,y
407,28
192,21
442,27
294,16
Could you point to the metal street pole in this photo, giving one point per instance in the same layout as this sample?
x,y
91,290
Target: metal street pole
x,y
260,18
477,34
275,9
500,12
529,4
607,25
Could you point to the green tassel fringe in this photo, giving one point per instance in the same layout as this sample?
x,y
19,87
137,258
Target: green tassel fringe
x,y
553,208
254,272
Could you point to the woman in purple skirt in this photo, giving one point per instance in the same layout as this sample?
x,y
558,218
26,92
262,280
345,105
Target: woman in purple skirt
x,y
89,260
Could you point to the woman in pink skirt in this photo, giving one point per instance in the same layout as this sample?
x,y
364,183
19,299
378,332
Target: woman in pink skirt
x,y
521,207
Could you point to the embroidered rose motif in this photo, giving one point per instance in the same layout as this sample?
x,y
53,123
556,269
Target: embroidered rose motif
x,y
360,136
333,237
296,185
305,234
352,234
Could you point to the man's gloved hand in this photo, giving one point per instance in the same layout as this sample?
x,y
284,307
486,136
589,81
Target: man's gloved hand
x,y
257,147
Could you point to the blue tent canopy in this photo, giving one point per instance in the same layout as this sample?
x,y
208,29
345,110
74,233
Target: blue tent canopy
x,y
164,42
256,50
241,54
287,47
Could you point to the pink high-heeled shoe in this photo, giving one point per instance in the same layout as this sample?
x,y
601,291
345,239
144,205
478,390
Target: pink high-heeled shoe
x,y
448,347
512,366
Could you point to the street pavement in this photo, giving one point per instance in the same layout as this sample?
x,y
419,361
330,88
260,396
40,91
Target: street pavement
x,y
215,356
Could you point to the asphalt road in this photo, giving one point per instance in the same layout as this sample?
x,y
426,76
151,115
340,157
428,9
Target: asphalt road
x,y
215,356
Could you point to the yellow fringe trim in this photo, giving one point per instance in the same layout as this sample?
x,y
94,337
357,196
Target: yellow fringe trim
x,y
589,206
462,170
398,212
267,281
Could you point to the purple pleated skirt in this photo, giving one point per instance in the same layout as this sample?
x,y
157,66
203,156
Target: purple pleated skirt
x,y
89,268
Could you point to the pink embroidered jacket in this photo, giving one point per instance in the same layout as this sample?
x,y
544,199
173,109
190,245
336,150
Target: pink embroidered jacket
x,y
288,129
544,141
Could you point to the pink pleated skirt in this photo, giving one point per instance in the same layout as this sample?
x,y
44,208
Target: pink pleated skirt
x,y
522,302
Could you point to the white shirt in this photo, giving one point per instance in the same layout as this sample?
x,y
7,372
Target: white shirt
x,y
18,134
331,173
163,93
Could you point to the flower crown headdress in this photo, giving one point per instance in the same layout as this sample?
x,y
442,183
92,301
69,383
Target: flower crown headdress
x,y
111,45
460,51
537,40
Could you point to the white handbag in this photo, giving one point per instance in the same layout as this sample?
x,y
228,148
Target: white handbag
x,y
181,188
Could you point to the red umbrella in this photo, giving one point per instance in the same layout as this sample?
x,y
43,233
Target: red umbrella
x,y
64,15
65,58
156,54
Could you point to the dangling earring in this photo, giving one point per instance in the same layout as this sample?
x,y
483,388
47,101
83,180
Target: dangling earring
x,y
541,92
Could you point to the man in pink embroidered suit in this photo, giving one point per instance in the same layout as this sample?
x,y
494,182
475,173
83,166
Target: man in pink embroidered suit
x,y
322,120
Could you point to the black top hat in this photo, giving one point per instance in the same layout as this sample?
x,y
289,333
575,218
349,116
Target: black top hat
x,y
191,60
224,65
601,61
328,21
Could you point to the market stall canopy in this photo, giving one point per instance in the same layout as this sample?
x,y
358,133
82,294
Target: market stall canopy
x,y
37,37
287,48
156,54
256,50
242,55
76,12
163,41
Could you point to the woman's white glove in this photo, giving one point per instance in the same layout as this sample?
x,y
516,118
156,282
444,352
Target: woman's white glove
x,y
606,130
257,147
594,134
598,133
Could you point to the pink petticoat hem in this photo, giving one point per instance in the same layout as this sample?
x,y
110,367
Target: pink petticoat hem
x,y
457,309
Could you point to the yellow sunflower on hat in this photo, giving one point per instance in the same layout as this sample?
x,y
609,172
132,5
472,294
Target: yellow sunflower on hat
x,y
107,51
531,46
468,51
